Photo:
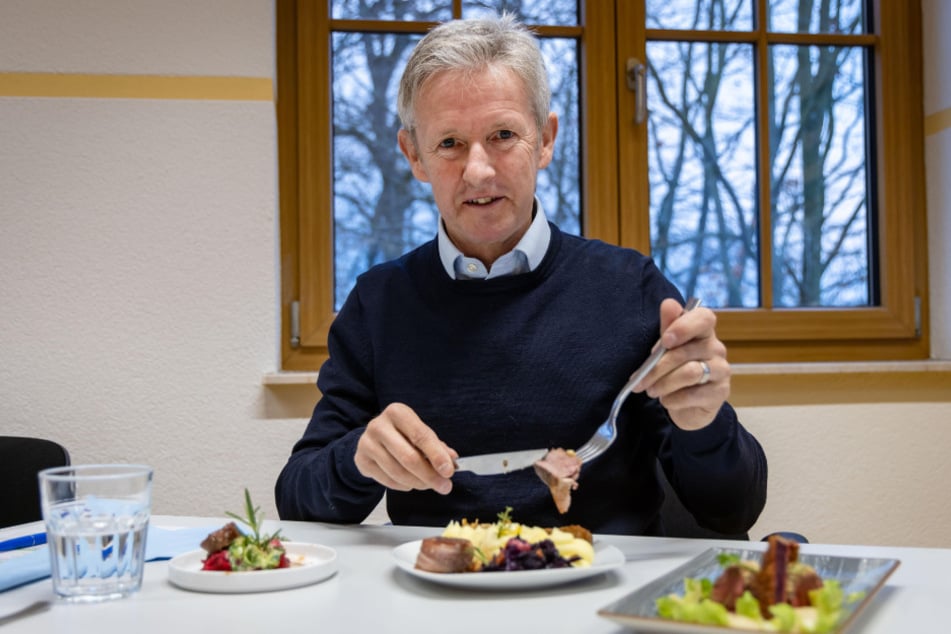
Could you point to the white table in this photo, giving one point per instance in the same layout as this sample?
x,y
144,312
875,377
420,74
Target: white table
x,y
369,594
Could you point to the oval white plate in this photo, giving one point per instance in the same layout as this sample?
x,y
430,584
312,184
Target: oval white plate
x,y
606,558
310,563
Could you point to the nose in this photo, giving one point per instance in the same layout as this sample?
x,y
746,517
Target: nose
x,y
478,167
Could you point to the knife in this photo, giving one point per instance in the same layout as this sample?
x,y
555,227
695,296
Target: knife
x,y
496,463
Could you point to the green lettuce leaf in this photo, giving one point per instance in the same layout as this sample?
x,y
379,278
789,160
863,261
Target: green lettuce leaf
x,y
748,606
703,611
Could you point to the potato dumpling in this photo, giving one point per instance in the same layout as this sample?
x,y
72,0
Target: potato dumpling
x,y
490,539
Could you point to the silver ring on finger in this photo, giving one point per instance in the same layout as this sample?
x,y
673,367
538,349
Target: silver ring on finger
x,y
705,377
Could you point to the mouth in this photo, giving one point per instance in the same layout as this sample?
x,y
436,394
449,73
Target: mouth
x,y
484,200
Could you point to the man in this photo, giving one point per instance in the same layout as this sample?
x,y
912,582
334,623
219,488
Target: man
x,y
504,334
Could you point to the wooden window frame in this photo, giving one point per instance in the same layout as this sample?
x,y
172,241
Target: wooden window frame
x,y
896,330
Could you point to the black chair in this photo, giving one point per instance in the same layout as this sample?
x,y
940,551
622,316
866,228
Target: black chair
x,y
21,459
678,522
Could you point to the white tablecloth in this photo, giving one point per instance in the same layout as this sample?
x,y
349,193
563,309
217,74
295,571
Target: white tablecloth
x,y
369,594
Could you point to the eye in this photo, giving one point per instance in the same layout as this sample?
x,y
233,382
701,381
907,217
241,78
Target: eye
x,y
506,134
447,143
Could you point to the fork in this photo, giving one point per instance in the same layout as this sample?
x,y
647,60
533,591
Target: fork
x,y
606,434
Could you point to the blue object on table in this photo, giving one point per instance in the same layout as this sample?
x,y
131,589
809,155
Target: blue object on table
x,y
162,543
26,541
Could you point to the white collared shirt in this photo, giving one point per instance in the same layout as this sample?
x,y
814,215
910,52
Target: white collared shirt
x,y
525,257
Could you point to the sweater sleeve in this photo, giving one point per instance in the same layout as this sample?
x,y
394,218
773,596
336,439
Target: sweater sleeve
x,y
719,472
320,481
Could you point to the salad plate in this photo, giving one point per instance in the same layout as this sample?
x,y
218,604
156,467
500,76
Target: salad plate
x,y
606,558
310,563
859,576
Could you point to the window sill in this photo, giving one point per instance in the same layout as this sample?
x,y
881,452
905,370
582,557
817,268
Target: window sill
x,y
279,378
851,367
766,384
282,377
774,384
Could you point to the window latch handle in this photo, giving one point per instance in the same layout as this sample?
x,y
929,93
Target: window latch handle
x,y
636,74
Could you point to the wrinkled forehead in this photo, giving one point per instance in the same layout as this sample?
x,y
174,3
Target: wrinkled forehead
x,y
475,84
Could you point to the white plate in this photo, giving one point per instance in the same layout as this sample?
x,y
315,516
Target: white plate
x,y
310,563
606,558
639,611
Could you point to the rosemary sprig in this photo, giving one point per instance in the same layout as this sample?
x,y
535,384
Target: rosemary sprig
x,y
254,519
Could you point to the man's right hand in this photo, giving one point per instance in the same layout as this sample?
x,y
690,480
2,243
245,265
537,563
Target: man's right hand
x,y
401,452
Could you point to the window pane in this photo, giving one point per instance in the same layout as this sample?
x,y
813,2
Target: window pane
x,y
541,12
380,210
819,176
559,184
391,10
703,170
700,15
807,16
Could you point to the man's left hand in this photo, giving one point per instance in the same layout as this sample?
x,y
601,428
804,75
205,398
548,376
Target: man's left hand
x,y
692,380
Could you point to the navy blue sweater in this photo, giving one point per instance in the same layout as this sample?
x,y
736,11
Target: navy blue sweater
x,y
518,362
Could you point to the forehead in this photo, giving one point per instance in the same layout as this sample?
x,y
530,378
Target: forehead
x,y
460,97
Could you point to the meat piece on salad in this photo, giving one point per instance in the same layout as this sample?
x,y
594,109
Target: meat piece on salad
x,y
559,469
731,584
782,578
221,538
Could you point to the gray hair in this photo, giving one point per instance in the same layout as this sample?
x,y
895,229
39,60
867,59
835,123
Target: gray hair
x,y
474,45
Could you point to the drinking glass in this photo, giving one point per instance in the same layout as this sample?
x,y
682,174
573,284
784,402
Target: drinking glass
x,y
97,519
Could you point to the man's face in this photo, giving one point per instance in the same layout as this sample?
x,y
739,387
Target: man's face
x,y
478,146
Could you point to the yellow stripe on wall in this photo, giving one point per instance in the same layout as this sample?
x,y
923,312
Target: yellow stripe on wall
x,y
136,87
935,123
198,88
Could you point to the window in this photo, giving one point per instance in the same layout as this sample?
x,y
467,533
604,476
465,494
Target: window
x,y
756,179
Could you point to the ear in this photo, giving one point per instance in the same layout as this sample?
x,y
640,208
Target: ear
x,y
411,152
549,132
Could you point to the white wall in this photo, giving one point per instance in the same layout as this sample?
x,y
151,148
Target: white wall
x,y
857,473
139,282
138,238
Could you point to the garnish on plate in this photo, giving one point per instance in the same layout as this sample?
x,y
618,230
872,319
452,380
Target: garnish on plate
x,y
230,549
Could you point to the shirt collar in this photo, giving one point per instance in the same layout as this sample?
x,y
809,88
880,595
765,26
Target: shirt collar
x,y
533,245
